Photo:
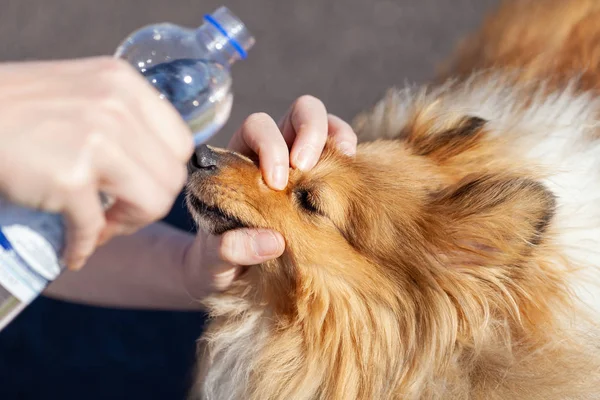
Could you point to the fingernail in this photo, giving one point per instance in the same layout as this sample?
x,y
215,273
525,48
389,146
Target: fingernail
x,y
305,158
279,177
347,148
265,244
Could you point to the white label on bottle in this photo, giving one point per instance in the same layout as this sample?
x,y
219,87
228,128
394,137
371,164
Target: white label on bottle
x,y
15,275
34,249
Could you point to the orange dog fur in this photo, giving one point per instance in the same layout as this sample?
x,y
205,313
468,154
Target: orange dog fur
x,y
456,256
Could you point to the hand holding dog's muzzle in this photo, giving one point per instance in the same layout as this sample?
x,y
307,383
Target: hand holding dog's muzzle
x,y
214,262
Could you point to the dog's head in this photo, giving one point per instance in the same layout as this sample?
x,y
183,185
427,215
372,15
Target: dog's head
x,y
343,203
428,199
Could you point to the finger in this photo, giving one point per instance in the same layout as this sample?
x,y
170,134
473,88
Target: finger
x,y
161,165
170,128
85,221
342,134
131,131
250,246
286,128
222,274
260,135
139,198
307,128
125,218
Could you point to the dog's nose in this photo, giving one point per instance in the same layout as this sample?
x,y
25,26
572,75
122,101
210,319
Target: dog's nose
x,y
203,159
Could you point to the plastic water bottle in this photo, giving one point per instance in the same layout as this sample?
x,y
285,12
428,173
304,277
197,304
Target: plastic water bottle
x,y
191,69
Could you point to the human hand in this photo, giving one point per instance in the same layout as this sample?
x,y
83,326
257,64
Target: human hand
x,y
72,129
297,140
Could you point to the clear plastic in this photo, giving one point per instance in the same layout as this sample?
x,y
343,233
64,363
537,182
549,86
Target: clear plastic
x,y
191,69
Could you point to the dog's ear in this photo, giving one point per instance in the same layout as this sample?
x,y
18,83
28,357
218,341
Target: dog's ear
x,y
447,142
491,221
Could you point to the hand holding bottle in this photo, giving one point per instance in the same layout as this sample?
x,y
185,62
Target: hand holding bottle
x,y
82,129
73,129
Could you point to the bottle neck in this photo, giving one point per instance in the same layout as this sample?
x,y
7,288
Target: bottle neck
x,y
220,46
225,37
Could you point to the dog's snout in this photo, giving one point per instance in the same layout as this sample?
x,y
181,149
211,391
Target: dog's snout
x,y
204,159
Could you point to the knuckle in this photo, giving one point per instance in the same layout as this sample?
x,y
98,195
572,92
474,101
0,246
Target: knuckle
x,y
226,247
72,181
157,208
254,128
94,141
112,106
256,120
308,100
95,144
114,69
235,247
117,80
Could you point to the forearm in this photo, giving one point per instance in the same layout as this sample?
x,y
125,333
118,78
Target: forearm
x,y
144,270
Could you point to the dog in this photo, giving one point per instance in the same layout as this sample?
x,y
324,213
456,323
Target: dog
x,y
455,256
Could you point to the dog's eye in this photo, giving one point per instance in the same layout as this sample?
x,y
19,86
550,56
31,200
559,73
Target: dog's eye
x,y
306,200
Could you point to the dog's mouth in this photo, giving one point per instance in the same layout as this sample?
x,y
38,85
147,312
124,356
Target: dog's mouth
x,y
212,218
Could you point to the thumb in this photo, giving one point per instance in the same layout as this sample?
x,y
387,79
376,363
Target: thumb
x,y
250,246
228,255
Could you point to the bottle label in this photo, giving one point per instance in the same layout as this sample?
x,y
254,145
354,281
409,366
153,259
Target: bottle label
x,y
30,244
22,279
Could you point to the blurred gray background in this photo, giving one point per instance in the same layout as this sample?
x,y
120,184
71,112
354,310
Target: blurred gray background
x,y
346,52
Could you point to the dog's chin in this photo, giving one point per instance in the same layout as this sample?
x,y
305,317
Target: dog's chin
x,y
213,219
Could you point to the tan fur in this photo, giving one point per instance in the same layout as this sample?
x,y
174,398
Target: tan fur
x,y
543,39
426,266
